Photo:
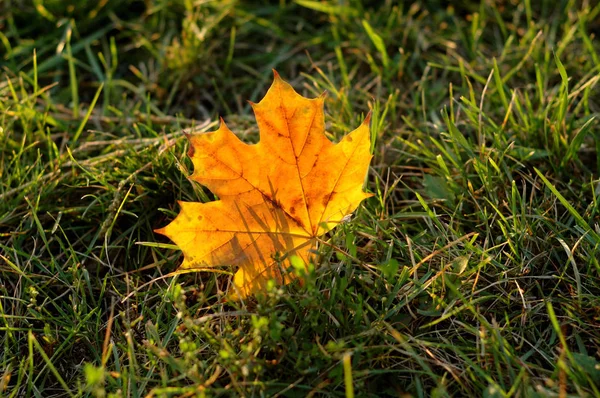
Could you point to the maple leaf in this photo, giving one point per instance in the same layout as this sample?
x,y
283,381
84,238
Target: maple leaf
x,y
276,197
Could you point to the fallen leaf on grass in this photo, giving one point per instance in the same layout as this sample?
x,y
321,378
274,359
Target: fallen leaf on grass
x,y
275,197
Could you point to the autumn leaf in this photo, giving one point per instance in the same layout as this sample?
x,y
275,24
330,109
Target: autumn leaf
x,y
276,197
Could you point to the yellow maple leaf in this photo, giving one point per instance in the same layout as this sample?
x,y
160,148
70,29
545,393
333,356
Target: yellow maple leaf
x,y
276,197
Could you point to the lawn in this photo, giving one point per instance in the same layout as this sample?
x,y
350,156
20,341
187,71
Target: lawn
x,y
473,270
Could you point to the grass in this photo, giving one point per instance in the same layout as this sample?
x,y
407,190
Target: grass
x,y
473,271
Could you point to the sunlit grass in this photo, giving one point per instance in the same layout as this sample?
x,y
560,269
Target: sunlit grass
x,y
474,270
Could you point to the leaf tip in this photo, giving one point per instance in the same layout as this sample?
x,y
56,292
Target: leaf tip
x,y
191,149
275,74
368,118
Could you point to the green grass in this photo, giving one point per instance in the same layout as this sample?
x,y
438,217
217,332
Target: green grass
x,y
473,271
